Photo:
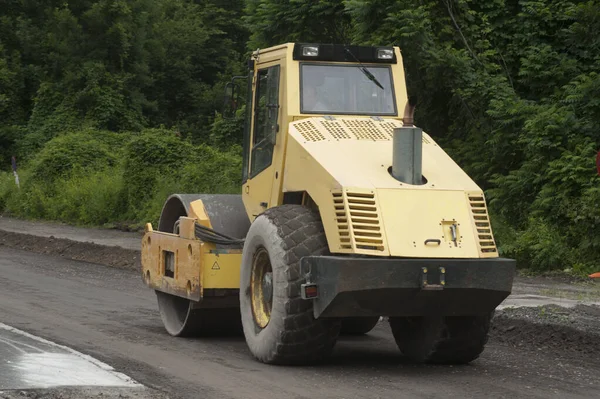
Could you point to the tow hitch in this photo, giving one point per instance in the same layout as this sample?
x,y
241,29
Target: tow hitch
x,y
426,286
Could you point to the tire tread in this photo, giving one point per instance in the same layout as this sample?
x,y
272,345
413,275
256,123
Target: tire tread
x,y
452,340
304,339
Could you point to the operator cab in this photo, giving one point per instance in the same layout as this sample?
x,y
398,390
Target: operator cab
x,y
297,81
338,82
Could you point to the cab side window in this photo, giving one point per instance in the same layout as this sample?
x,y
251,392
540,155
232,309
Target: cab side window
x,y
266,115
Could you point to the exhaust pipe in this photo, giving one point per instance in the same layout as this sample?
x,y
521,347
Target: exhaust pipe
x,y
407,158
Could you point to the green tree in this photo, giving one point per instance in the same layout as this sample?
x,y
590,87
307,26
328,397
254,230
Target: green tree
x,y
274,22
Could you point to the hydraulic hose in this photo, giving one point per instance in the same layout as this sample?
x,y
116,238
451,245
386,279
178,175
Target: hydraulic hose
x,y
207,234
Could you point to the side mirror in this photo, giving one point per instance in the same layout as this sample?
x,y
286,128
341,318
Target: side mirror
x,y
232,100
233,97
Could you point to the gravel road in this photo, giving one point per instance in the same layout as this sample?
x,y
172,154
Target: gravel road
x,y
109,314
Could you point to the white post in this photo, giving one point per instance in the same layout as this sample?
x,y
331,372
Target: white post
x,y
14,168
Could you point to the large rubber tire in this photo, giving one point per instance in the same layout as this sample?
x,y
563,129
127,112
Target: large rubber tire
x,y
358,325
292,334
441,340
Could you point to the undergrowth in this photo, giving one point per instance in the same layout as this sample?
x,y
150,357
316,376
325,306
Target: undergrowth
x,y
99,178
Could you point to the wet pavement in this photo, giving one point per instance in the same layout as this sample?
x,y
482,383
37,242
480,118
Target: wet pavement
x,y
28,362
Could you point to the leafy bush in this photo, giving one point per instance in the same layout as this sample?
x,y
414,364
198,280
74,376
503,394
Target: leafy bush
x,y
150,155
9,136
93,198
119,186
158,164
226,133
86,150
7,187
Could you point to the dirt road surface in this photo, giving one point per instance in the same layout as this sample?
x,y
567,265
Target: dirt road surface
x,y
109,314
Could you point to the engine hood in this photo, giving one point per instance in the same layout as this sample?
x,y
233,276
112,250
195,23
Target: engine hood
x,y
344,165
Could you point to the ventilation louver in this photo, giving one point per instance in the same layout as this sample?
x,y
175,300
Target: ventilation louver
x,y
485,239
365,129
309,132
358,222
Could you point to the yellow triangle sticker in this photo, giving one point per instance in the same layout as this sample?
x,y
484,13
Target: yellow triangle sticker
x,y
216,266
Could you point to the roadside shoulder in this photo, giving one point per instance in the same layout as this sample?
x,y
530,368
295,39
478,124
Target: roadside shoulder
x,y
550,328
114,256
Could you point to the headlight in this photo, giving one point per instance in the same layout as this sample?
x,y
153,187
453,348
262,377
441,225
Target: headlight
x,y
310,51
385,54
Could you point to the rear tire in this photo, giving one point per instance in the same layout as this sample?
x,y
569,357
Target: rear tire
x,y
282,329
441,340
358,325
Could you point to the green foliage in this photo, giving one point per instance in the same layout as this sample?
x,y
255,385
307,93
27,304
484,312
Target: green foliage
x,y
9,136
7,94
99,177
93,198
192,51
151,154
81,152
159,163
542,247
227,132
274,22
7,187
209,172
118,65
72,74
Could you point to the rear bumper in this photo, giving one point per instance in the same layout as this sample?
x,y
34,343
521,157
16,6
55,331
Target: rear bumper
x,y
355,286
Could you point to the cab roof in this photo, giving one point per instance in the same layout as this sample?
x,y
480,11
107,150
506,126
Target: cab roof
x,y
336,52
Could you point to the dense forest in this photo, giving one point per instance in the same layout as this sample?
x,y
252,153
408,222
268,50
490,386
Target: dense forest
x,y
110,105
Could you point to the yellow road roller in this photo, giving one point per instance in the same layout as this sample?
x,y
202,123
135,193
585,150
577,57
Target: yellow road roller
x,y
348,212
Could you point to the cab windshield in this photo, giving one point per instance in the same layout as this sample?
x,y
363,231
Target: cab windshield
x,y
345,89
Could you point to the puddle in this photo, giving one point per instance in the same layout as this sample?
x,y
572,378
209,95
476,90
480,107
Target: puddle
x,y
28,362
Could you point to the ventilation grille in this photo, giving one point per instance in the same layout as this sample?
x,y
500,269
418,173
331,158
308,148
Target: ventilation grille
x,y
485,239
335,129
342,220
365,129
389,127
309,131
358,222
321,129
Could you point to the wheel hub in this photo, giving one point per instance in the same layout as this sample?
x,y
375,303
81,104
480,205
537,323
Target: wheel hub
x,y
261,287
